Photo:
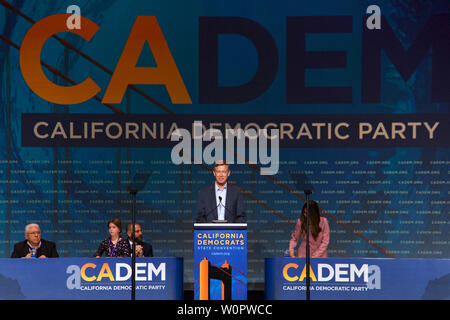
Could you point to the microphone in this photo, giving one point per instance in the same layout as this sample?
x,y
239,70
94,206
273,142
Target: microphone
x,y
215,208
220,203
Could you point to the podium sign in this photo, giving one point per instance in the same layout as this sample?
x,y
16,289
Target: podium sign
x,y
358,279
90,279
220,261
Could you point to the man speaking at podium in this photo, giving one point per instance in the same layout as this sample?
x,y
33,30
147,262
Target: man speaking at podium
x,y
220,202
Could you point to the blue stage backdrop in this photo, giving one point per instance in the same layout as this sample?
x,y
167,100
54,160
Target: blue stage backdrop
x,y
361,102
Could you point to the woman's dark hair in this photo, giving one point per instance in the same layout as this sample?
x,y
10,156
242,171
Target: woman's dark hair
x,y
314,219
117,222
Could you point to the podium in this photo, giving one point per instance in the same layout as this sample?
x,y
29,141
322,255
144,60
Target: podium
x,y
220,261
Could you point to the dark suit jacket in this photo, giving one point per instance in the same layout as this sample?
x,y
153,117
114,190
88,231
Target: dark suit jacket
x,y
146,247
47,248
207,206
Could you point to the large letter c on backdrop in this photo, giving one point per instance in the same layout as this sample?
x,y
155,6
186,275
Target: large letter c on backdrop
x,y
30,61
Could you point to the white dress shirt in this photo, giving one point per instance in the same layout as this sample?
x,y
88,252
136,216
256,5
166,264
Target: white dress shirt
x,y
221,193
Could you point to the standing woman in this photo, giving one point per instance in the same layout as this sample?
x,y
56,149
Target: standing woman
x,y
114,245
319,233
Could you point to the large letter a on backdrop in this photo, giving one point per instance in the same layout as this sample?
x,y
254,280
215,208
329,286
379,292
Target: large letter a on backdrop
x,y
146,29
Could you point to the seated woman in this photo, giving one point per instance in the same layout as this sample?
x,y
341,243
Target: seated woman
x,y
319,233
115,245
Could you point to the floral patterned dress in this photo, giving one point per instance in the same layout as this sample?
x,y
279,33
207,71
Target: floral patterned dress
x,y
120,249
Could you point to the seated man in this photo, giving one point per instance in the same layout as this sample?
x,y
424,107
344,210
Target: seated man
x,y
33,246
143,249
221,201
